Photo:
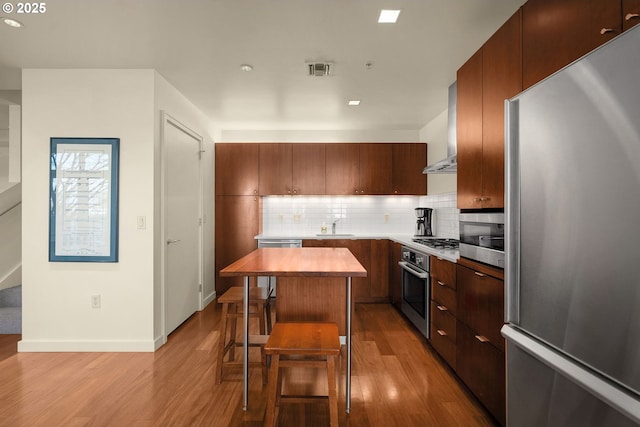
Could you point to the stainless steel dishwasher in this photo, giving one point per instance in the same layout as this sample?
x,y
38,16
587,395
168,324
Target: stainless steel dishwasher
x,y
269,282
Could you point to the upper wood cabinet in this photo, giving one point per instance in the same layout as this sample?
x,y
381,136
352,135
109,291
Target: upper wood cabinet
x,y
556,33
236,169
275,170
630,13
292,169
308,173
358,169
408,162
490,76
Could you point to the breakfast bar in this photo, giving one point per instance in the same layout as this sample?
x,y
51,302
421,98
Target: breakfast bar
x,y
311,287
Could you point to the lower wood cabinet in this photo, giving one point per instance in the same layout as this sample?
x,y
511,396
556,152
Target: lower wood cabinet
x,y
443,333
374,287
480,348
481,366
395,274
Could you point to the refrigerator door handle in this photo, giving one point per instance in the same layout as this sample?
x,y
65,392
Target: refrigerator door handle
x,y
592,383
512,214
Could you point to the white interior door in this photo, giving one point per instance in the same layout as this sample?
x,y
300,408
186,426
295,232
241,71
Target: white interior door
x,y
183,224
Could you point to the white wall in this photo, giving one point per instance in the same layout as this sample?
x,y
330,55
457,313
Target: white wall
x,y
168,99
318,136
435,135
57,313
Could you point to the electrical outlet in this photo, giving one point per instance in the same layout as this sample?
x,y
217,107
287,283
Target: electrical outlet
x,y
142,222
95,301
386,217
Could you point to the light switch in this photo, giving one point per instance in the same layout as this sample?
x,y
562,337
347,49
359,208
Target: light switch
x,y
142,222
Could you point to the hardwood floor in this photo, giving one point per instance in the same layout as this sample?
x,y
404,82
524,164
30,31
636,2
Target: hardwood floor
x,y
397,381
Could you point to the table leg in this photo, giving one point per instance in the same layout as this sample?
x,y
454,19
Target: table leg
x,y
245,356
348,345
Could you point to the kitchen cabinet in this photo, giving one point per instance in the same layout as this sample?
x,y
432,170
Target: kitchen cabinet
x,y
275,169
482,368
308,168
480,357
408,162
490,76
236,224
443,309
630,13
236,171
358,169
291,169
556,33
374,257
395,274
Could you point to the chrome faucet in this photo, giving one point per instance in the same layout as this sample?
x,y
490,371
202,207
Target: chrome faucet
x,y
333,226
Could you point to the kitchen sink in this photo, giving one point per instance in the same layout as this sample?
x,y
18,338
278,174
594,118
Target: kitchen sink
x,y
336,235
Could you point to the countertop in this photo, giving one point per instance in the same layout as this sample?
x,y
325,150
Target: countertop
x,y
334,262
404,239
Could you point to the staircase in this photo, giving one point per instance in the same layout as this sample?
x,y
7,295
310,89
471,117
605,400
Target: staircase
x,y
11,310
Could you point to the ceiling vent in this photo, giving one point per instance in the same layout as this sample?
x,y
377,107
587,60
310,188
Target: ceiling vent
x,y
320,69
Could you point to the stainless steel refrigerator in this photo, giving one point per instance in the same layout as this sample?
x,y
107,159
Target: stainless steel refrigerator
x,y
573,243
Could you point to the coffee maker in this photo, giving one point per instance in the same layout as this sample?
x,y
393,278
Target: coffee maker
x,y
423,222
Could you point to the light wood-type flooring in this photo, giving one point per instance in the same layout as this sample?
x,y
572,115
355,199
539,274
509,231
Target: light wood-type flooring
x,y
398,380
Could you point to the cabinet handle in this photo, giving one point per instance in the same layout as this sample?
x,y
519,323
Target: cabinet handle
x,y
295,191
630,16
482,339
442,308
477,273
441,333
255,191
440,283
606,30
477,199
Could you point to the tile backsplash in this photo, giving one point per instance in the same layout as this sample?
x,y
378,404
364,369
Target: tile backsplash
x,y
305,215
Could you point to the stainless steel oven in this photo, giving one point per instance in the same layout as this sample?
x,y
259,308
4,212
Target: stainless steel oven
x,y
416,291
482,237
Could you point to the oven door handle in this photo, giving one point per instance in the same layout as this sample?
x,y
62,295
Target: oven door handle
x,y
419,274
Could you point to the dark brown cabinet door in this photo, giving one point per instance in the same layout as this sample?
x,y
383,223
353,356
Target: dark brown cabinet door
x,y
630,13
395,273
501,79
308,169
408,162
379,269
236,225
482,368
556,33
469,132
481,304
342,169
443,333
375,169
236,169
275,169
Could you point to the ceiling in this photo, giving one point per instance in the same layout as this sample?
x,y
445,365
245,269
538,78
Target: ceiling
x,y
199,45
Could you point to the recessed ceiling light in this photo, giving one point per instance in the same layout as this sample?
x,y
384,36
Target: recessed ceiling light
x,y
12,22
388,16
353,102
246,68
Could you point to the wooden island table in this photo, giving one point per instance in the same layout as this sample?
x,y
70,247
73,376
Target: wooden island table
x,y
311,286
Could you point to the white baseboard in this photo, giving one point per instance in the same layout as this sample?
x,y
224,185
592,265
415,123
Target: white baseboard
x,y
45,346
209,299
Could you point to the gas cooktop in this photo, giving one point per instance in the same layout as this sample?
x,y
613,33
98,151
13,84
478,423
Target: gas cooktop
x,y
437,243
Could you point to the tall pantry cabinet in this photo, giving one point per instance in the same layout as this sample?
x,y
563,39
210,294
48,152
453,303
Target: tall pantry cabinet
x,y
491,75
237,207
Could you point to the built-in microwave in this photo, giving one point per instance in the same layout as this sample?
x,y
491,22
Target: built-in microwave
x,y
482,237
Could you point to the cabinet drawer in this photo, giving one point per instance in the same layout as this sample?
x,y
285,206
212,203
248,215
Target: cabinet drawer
x,y
482,368
481,304
444,295
443,271
443,334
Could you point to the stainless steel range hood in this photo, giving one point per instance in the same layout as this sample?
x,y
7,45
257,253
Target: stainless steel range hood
x,y
449,164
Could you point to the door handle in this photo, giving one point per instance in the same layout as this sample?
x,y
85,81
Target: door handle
x,y
171,241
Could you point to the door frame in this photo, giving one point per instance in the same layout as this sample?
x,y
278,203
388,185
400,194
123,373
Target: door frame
x,y
168,120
